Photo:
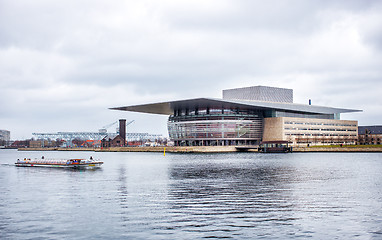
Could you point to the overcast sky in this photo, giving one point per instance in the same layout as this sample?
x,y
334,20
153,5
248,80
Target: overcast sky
x,y
64,63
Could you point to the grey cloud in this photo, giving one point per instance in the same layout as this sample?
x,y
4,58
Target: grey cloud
x,y
325,50
371,31
293,17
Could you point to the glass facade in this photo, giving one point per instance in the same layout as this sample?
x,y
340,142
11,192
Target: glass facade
x,y
215,126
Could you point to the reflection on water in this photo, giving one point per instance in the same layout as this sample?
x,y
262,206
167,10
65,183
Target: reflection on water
x,y
185,196
230,199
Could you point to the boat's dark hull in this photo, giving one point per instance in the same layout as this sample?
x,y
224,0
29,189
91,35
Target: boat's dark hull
x,y
275,150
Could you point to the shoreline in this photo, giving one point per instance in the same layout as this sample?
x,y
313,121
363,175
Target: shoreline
x,y
209,149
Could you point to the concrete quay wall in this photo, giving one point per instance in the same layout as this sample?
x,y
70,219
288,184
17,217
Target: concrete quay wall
x,y
195,149
57,149
337,149
205,149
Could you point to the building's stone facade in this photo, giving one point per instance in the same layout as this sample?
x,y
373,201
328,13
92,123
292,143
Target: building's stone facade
x,y
308,131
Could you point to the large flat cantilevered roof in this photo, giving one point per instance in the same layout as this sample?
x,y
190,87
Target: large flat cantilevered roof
x,y
167,108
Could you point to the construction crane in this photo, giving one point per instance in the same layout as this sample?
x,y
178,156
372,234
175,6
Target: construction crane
x,y
104,128
127,124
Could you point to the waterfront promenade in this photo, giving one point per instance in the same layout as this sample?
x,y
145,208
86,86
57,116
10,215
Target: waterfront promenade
x,y
213,149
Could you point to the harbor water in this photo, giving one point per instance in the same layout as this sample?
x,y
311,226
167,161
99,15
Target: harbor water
x,y
193,196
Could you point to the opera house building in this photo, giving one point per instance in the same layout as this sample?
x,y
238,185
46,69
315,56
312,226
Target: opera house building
x,y
247,116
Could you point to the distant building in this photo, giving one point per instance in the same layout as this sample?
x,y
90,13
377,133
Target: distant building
x,y
370,135
20,144
5,135
247,116
38,143
113,141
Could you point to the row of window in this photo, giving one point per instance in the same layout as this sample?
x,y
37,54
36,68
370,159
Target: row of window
x,y
213,117
203,111
340,141
325,124
322,129
320,135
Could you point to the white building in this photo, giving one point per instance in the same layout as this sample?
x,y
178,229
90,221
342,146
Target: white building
x,y
247,116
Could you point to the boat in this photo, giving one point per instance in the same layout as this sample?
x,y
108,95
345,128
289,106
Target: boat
x,y
275,147
63,163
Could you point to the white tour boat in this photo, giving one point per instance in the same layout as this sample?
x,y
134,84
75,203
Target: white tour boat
x,y
66,163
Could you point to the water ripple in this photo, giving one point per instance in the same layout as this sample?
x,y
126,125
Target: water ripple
x,y
188,196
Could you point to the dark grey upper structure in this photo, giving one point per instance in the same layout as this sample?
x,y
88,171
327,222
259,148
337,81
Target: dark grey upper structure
x,y
260,93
